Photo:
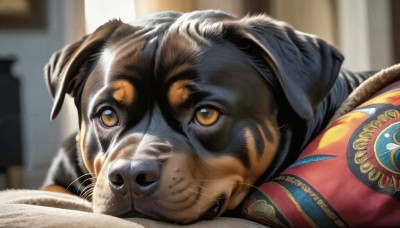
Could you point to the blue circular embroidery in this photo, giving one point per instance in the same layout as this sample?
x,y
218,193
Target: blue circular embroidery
x,y
373,153
387,148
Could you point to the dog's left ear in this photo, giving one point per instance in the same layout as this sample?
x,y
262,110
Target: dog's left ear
x,y
305,66
64,72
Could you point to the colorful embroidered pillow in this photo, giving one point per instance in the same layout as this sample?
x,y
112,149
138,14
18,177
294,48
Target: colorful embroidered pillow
x,y
348,176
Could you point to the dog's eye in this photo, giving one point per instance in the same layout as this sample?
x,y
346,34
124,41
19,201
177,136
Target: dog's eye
x,y
206,116
109,118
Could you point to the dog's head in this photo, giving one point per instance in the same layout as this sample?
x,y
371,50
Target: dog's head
x,y
178,112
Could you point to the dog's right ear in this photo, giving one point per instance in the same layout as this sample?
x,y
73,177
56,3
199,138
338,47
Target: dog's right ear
x,y
305,66
64,72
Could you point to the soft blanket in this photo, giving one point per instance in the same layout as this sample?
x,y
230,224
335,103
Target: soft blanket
x,y
34,208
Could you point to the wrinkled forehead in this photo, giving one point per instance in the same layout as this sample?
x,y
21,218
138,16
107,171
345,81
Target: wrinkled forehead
x,y
119,69
145,57
183,46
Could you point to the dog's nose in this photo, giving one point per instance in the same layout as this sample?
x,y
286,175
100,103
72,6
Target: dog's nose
x,y
139,176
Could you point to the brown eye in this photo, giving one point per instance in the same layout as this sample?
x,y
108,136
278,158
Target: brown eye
x,y
109,118
206,116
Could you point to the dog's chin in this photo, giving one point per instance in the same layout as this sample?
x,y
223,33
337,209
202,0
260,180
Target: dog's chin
x,y
214,211
177,217
126,208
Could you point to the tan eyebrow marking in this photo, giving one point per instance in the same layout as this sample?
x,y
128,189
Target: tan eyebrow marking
x,y
178,93
178,70
124,92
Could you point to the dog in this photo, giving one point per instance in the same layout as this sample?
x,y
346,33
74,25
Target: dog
x,y
180,114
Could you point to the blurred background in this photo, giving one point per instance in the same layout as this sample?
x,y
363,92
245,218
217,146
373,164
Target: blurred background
x,y
31,30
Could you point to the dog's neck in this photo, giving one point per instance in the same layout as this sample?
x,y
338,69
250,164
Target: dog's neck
x,y
298,133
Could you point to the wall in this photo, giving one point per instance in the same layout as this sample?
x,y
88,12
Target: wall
x,y
361,29
236,7
311,16
366,34
33,49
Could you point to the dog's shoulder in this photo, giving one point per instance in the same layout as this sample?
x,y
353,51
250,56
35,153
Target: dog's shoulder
x,y
65,171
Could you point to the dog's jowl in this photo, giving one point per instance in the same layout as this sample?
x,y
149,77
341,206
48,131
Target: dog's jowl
x,y
179,114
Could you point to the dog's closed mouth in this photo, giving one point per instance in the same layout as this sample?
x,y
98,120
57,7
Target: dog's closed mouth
x,y
214,209
133,214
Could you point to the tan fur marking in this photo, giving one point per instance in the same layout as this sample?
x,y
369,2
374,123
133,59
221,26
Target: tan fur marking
x,y
271,147
124,92
258,164
82,148
251,147
98,164
178,93
56,188
178,70
252,152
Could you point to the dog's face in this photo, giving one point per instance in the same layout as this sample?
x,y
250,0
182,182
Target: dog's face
x,y
179,144
178,117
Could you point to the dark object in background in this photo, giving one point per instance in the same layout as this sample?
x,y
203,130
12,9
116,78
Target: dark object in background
x,y
10,123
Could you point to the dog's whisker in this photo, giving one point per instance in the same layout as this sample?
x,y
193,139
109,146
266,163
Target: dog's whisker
x,y
86,199
82,184
211,180
88,195
208,180
241,183
82,204
78,191
283,126
251,186
200,193
77,179
87,192
83,194
188,196
200,186
90,186
194,199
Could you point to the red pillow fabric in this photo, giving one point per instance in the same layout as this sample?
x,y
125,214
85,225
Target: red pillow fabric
x,y
348,176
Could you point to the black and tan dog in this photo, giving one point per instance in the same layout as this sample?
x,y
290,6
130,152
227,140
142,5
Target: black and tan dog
x,y
179,114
